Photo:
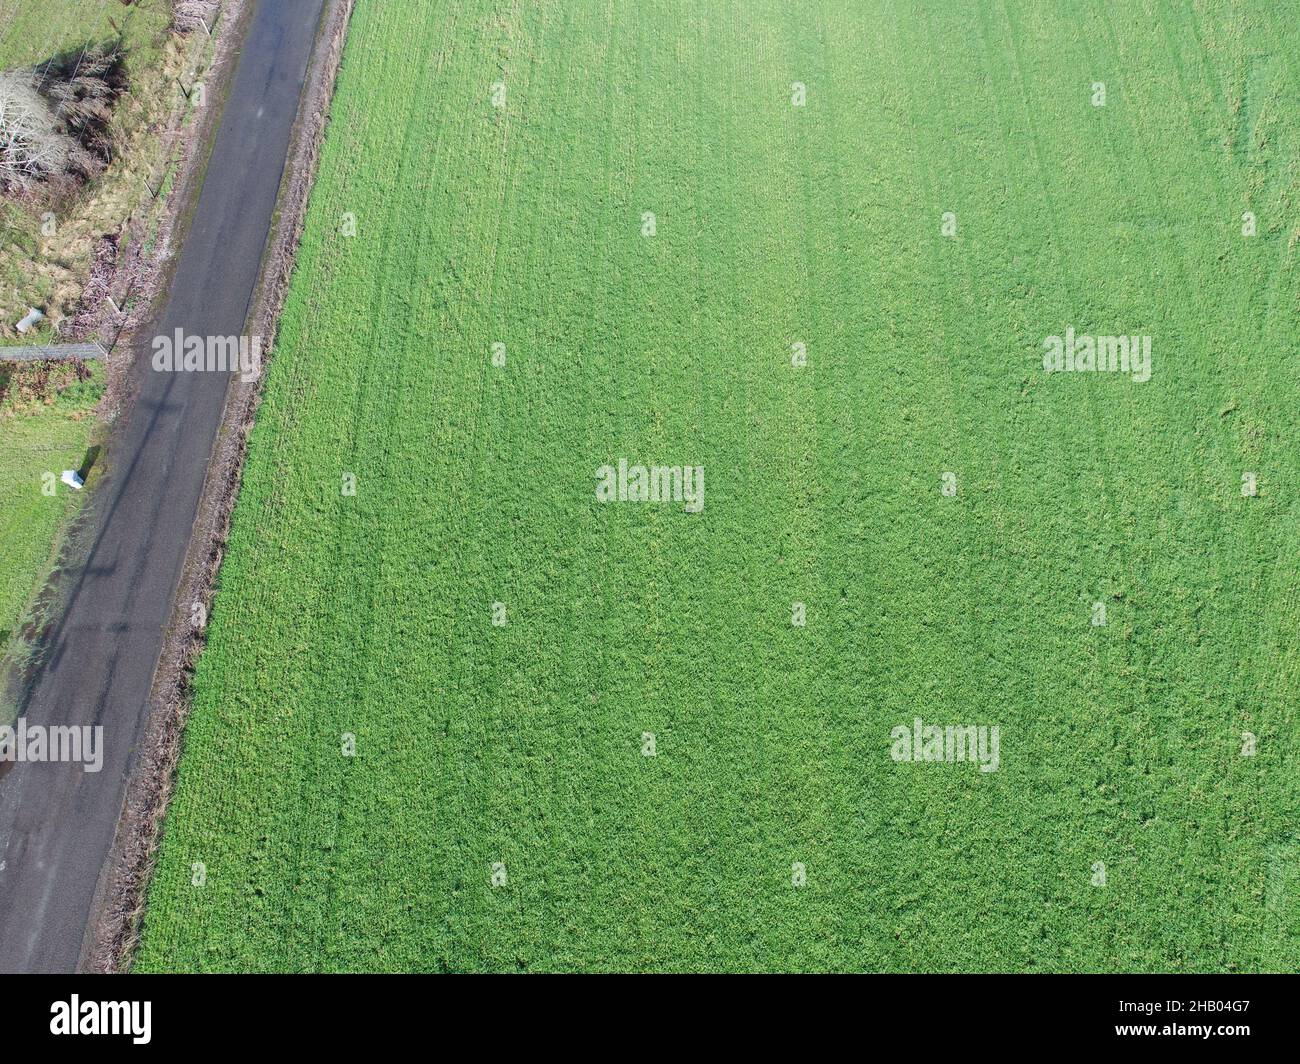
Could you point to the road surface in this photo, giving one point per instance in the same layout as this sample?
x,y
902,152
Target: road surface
x,y
57,821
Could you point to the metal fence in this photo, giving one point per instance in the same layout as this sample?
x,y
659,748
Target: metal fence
x,y
53,352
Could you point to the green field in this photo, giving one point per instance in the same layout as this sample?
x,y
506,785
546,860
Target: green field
x,y
476,745
31,31
41,440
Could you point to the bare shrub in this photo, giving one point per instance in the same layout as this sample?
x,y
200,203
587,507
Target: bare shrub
x,y
56,120
83,87
190,15
31,146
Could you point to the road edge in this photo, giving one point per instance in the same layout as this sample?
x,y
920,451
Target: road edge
x,y
116,918
112,410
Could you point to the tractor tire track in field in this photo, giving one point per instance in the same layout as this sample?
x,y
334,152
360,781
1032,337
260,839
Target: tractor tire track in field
x,y
57,821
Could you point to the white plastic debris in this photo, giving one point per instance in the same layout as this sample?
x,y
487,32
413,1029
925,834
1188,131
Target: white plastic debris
x,y
72,479
33,316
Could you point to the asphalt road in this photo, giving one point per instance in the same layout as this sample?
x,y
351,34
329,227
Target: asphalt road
x,y
57,821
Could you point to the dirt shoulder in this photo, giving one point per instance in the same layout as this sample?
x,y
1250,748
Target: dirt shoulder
x,y
115,929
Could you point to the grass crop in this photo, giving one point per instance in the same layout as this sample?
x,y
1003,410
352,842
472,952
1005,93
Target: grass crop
x,y
500,811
